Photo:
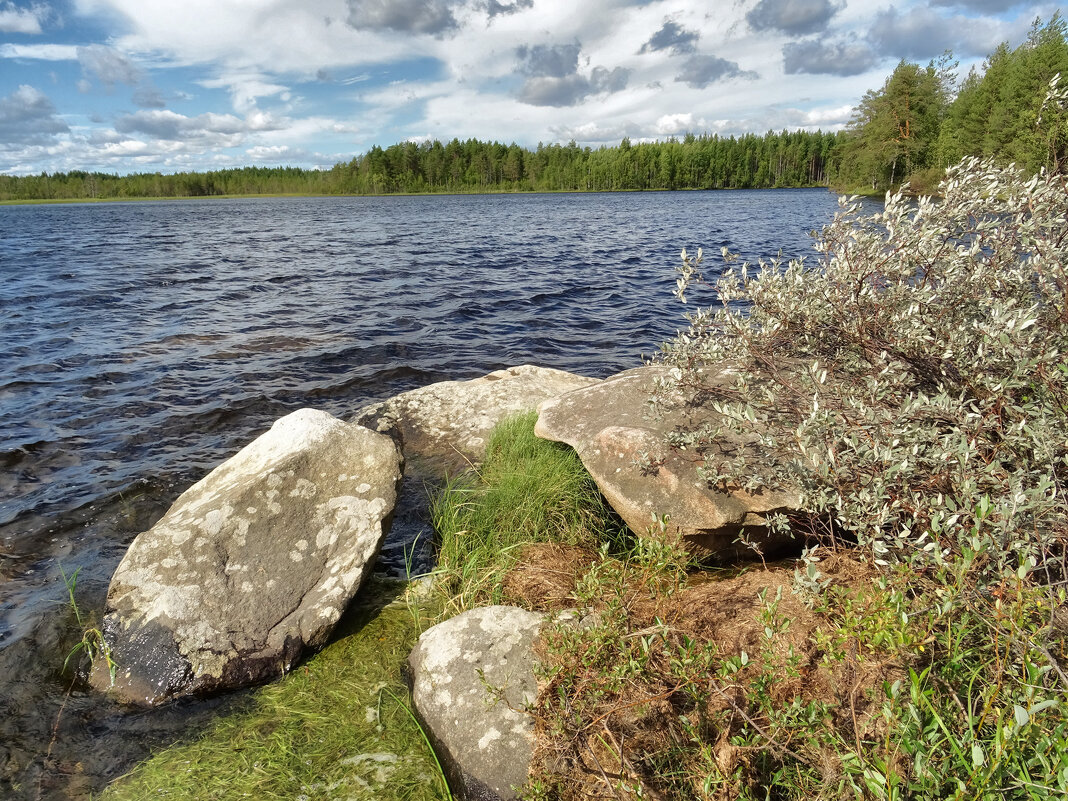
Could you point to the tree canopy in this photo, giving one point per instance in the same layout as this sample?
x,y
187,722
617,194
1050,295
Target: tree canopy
x,y
922,121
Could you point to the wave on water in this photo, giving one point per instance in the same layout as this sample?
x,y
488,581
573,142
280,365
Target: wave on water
x,y
143,344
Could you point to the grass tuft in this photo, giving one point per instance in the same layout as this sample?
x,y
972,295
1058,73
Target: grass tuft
x,y
528,490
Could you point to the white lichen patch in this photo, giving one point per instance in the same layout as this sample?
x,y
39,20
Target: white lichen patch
x,y
342,514
492,735
303,489
179,536
174,603
271,496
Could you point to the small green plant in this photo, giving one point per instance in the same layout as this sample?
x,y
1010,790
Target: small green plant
x,y
893,688
92,643
417,589
445,791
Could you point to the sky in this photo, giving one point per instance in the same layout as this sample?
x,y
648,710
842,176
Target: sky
x,y
125,86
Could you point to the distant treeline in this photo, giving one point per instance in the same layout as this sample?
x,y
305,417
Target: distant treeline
x,y
794,158
918,123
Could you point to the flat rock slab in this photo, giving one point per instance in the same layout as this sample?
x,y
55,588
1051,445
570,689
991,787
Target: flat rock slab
x,y
254,564
623,447
443,427
472,680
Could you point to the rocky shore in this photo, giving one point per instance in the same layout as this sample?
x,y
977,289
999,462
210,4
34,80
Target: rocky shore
x,y
251,568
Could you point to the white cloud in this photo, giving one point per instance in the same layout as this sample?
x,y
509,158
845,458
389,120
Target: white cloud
x,y
700,71
108,65
282,154
921,33
207,131
672,124
287,79
40,52
262,36
28,117
672,37
820,56
831,118
245,88
14,19
406,16
793,17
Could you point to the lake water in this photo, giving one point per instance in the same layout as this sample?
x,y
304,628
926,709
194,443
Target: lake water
x,y
142,344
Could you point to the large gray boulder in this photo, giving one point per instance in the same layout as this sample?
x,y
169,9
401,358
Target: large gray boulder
x,y
622,445
254,564
443,427
472,680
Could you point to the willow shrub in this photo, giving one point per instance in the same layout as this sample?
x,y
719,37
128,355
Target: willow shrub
x,y
911,380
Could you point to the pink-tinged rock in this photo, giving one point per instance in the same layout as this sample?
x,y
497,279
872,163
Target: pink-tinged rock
x,y
622,445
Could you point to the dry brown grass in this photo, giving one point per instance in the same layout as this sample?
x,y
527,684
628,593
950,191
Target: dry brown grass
x,y
605,736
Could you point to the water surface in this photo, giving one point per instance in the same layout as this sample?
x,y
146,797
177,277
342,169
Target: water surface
x,y
142,344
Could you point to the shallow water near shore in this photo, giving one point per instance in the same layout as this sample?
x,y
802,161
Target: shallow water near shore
x,y
142,344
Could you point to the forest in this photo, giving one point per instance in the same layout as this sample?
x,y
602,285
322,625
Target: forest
x,y
923,119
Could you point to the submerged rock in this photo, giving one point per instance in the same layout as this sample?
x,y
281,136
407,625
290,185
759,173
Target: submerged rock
x,y
254,564
472,680
623,447
443,427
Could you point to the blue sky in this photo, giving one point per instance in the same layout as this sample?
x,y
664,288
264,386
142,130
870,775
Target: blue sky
x,y
170,85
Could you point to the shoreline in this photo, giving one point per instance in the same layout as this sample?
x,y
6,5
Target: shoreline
x,y
270,195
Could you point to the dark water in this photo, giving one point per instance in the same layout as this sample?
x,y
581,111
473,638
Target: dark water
x,y
142,344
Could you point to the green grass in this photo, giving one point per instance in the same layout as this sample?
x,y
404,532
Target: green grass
x,y
335,728
527,491
338,727
911,685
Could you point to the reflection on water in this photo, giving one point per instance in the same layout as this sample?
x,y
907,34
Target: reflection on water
x,y
141,344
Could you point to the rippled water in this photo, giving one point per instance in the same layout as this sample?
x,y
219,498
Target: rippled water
x,y
141,344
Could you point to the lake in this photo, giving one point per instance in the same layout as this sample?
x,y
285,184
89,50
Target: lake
x,y
141,344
